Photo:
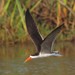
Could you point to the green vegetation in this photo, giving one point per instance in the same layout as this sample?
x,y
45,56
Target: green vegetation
x,y
48,15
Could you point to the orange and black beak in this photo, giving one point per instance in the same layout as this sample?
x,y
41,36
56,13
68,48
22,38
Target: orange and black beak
x,y
28,59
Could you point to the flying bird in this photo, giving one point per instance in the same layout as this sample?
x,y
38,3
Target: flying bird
x,y
44,47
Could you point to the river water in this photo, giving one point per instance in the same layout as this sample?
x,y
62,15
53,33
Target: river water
x,y
12,61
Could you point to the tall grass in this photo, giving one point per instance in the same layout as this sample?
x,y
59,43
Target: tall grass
x,y
6,7
20,9
48,14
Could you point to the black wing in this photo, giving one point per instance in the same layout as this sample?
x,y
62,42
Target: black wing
x,y
46,46
32,30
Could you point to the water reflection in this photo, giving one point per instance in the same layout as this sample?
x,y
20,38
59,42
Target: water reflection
x,y
12,61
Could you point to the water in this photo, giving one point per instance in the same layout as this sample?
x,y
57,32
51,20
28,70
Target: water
x,y
12,61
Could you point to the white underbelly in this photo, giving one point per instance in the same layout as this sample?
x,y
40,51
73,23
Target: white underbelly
x,y
52,54
46,55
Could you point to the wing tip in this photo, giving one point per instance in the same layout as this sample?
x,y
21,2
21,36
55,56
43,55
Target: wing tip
x,y
62,25
27,11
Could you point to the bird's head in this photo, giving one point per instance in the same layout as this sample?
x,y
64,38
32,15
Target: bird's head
x,y
31,57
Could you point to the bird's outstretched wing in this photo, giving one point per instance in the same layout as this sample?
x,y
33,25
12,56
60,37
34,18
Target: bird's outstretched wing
x,y
32,30
47,44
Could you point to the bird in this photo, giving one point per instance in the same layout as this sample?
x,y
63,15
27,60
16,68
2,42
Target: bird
x,y
44,46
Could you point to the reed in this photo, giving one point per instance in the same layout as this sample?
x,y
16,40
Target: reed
x,y
48,15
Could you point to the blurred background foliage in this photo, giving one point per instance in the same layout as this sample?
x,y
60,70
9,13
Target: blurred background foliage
x,y
48,14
